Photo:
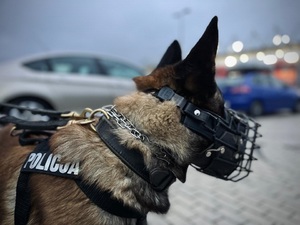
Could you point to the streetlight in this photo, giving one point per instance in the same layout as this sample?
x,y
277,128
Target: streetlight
x,y
181,26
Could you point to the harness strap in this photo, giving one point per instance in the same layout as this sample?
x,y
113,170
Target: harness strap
x,y
23,196
50,113
158,178
22,207
102,199
105,201
25,138
34,125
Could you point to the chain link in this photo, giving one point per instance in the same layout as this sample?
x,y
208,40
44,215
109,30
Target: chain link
x,y
124,123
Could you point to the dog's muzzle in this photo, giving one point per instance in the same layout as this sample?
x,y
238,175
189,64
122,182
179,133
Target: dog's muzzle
x,y
232,137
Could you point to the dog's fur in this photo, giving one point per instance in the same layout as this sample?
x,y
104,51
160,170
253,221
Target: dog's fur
x,y
58,200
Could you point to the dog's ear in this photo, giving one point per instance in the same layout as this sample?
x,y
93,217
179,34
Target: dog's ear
x,y
171,56
194,76
157,79
196,73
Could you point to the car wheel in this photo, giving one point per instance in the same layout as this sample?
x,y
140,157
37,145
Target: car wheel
x,y
256,108
296,108
32,103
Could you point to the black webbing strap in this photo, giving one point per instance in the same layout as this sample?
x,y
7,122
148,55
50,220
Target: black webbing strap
x,y
34,125
22,208
23,196
105,201
28,137
50,113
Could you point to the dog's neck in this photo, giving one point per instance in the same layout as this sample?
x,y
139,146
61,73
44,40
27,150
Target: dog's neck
x,y
159,178
99,165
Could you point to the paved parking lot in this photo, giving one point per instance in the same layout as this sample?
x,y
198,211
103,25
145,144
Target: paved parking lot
x,y
269,196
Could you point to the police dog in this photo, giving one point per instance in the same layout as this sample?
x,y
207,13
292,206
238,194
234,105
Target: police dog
x,y
58,200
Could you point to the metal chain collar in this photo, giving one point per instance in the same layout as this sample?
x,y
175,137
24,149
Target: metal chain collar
x,y
87,116
124,123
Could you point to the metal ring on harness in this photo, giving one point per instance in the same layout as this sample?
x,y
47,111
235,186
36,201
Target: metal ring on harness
x,y
92,116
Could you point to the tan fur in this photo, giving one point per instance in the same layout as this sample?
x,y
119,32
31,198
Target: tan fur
x,y
58,200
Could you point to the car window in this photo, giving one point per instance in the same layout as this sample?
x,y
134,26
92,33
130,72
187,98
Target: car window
x,y
78,65
262,80
40,65
117,69
231,81
276,83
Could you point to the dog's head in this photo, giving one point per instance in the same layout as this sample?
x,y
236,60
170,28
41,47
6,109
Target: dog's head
x,y
191,127
193,77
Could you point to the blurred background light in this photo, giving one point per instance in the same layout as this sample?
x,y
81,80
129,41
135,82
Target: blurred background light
x,y
291,57
285,39
244,58
260,56
237,46
270,59
277,39
230,61
279,53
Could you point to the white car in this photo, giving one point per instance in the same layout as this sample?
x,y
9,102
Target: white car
x,y
64,81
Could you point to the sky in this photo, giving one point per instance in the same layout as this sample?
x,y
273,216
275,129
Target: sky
x,y
139,31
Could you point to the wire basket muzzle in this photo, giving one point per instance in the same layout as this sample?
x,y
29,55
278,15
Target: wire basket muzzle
x,y
231,154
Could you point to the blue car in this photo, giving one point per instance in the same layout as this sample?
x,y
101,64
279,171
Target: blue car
x,y
258,93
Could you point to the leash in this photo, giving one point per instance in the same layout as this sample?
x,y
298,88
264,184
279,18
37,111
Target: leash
x,y
50,113
57,120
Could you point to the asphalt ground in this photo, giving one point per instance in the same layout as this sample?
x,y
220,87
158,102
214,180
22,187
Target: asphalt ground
x,y
268,196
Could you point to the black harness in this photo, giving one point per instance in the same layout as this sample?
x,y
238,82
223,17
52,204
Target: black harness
x,y
41,160
35,164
